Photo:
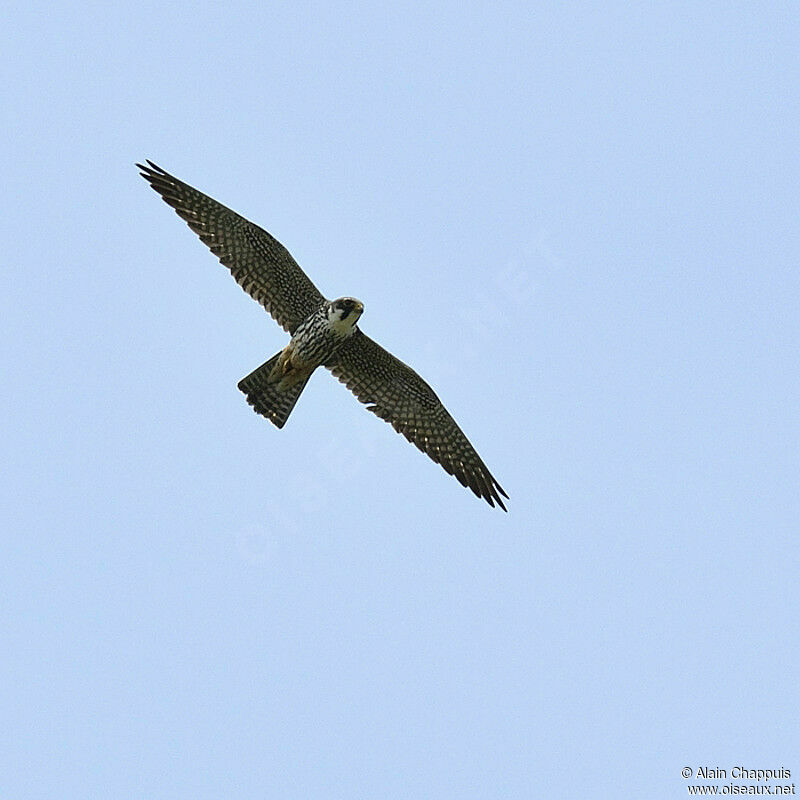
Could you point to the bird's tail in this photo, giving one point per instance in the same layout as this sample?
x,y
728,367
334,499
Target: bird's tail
x,y
269,395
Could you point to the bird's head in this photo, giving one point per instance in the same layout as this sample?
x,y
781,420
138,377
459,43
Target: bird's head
x,y
344,312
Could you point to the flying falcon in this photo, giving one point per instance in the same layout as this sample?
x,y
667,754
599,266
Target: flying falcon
x,y
324,333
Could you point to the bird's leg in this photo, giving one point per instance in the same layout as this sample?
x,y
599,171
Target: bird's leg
x,y
288,369
283,365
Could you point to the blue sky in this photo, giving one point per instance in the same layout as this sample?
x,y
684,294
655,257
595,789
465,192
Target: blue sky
x,y
579,222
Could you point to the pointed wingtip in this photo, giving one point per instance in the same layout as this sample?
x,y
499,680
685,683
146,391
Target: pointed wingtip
x,y
501,504
150,169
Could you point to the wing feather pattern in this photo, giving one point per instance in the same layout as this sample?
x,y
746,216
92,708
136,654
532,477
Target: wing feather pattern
x,y
395,393
261,265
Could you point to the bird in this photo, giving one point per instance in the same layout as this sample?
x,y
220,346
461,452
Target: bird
x,y
324,333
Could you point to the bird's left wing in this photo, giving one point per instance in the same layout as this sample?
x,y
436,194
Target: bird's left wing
x,y
398,395
261,265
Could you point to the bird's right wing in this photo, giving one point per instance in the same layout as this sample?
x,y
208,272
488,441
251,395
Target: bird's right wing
x,y
261,265
398,395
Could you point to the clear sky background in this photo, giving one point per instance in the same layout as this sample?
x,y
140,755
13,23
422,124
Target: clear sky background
x,y
579,222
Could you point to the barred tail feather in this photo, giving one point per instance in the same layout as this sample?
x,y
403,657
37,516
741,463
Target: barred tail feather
x,y
267,397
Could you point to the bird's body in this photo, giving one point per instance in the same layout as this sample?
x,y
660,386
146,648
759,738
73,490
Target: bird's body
x,y
316,340
318,337
323,333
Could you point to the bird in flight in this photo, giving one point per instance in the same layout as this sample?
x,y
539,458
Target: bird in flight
x,y
323,333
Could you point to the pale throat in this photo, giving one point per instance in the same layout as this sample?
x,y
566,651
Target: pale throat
x,y
342,328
